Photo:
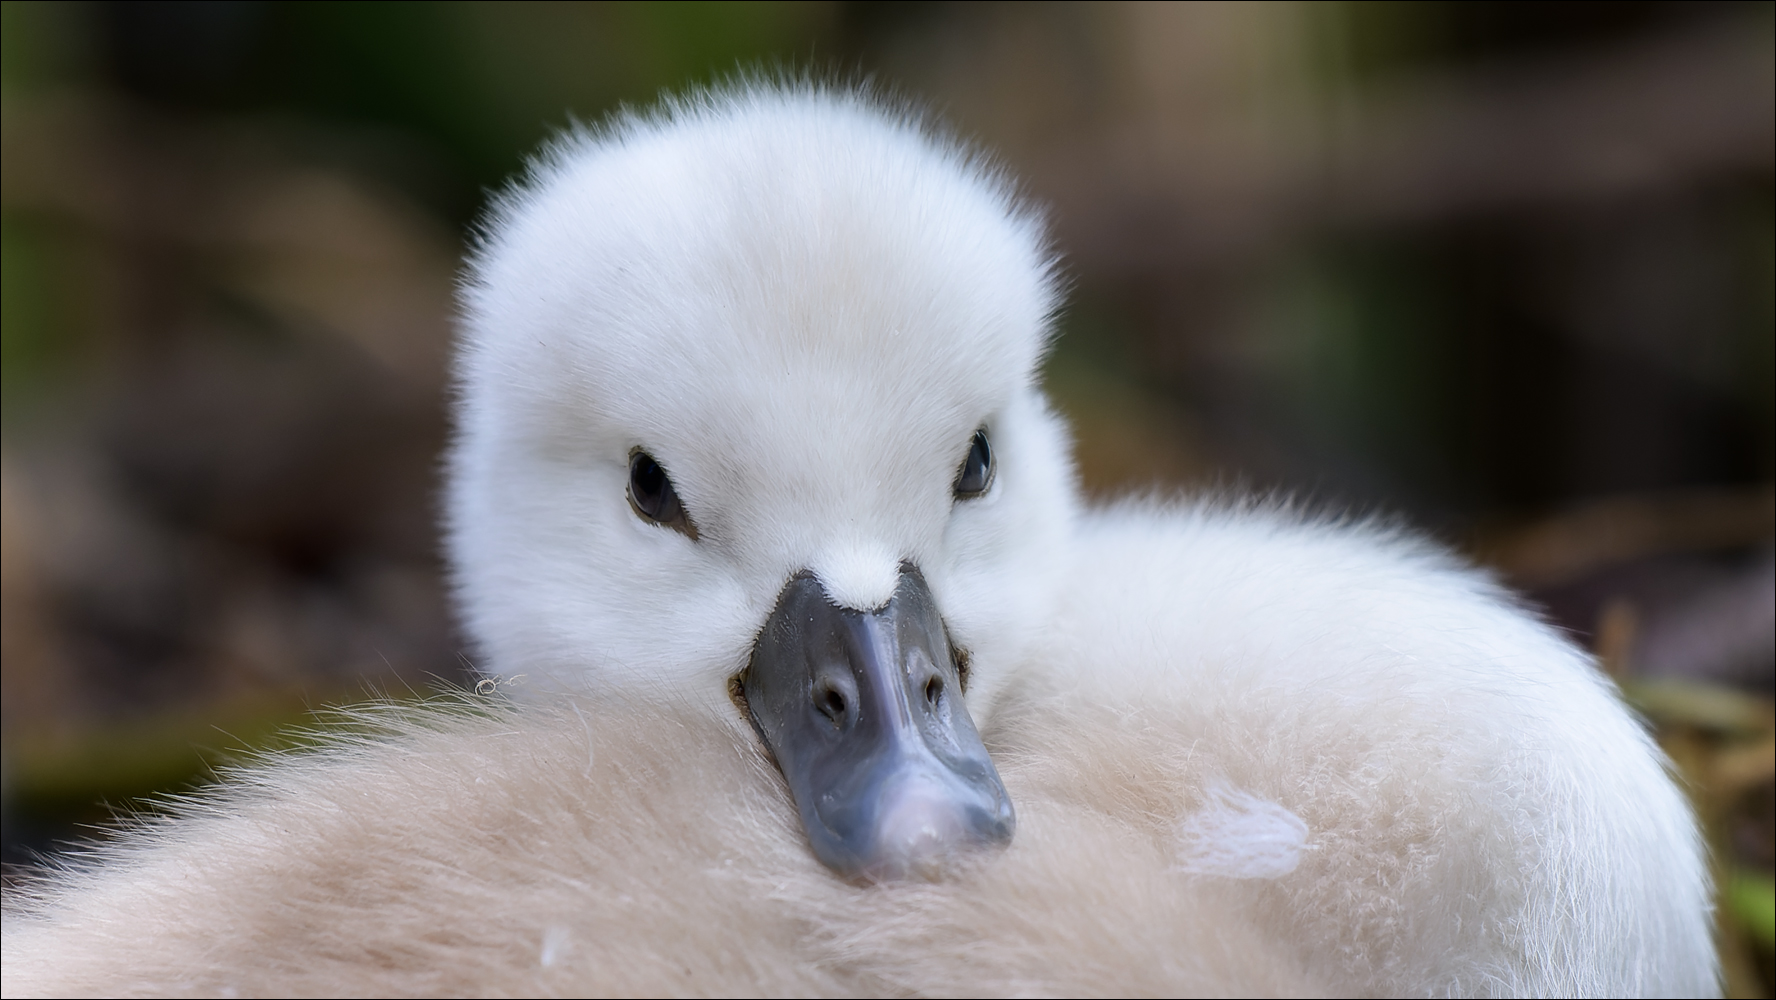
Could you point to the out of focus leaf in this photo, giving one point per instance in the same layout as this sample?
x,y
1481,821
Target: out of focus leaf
x,y
1752,899
1674,701
66,772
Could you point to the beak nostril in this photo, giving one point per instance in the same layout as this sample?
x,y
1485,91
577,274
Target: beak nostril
x,y
933,690
832,705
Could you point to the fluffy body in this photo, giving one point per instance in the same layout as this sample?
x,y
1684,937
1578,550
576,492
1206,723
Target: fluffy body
x,y
1251,753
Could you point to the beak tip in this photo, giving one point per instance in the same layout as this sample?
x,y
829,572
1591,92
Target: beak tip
x,y
924,832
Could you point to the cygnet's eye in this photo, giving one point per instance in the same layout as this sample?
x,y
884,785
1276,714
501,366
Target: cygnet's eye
x,y
977,470
652,495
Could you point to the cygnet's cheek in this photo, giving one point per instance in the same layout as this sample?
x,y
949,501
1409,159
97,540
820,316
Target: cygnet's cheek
x,y
996,588
984,620
681,641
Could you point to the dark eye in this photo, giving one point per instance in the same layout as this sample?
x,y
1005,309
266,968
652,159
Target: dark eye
x,y
977,470
652,495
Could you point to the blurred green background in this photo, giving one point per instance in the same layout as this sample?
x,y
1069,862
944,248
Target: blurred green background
x,y
1505,270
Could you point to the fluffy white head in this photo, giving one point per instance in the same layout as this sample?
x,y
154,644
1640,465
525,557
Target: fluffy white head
x,y
803,306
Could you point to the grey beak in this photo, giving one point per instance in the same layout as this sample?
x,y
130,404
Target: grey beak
x,y
863,711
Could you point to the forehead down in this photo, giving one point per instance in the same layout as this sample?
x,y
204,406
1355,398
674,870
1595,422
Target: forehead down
x,y
756,260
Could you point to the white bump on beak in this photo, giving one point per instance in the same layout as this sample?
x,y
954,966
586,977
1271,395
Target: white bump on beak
x,y
858,575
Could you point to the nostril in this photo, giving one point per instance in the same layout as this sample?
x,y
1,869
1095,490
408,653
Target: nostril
x,y
933,691
831,703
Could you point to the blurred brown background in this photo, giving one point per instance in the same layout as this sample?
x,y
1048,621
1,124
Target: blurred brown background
x,y
1506,271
